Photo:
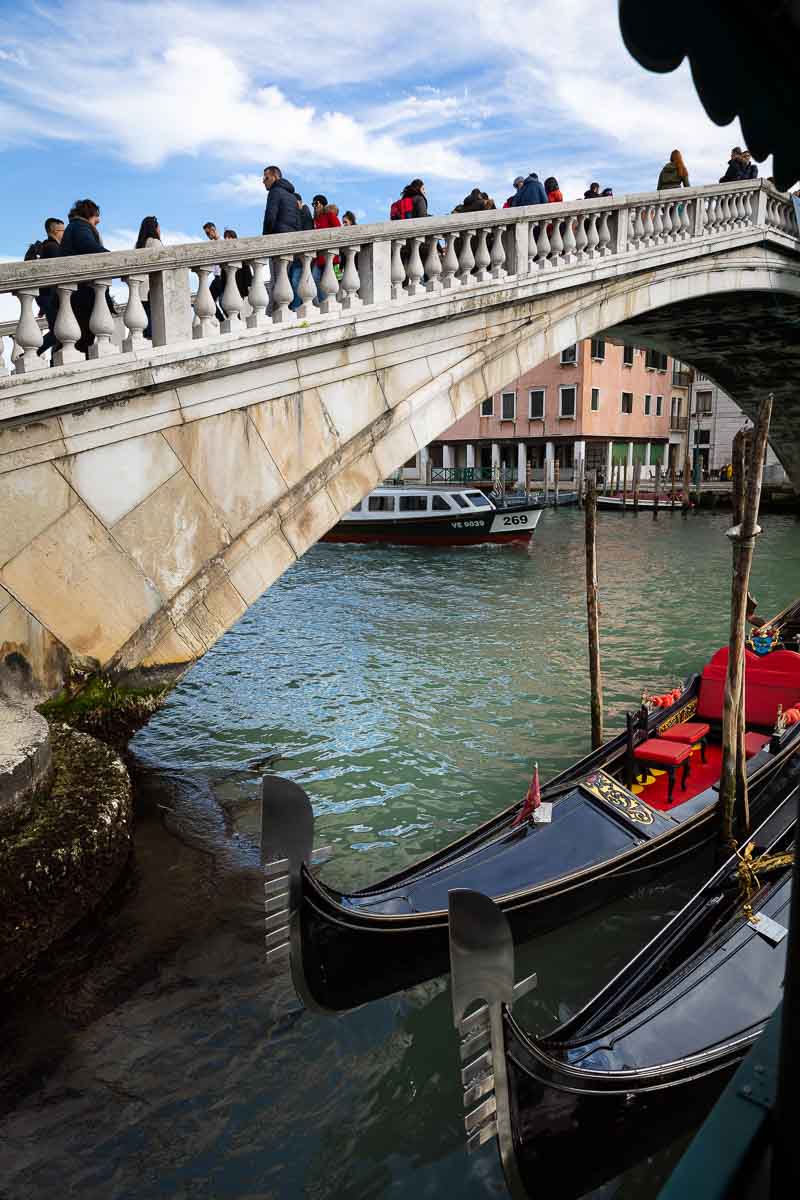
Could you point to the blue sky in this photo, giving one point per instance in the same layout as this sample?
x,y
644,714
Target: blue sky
x,y
173,108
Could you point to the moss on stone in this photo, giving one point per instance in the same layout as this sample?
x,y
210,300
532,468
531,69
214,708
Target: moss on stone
x,y
59,864
105,710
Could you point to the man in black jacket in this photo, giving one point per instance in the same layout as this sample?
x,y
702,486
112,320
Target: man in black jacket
x,y
81,237
48,298
281,214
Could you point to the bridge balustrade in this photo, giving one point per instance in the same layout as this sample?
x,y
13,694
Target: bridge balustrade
x,y
365,267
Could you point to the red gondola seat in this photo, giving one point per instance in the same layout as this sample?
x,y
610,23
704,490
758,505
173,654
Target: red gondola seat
x,y
658,752
688,731
769,681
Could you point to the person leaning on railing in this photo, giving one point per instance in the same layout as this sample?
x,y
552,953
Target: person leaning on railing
x,y
81,237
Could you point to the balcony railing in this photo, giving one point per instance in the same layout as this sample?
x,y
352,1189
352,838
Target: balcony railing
x,y
471,475
681,379
679,424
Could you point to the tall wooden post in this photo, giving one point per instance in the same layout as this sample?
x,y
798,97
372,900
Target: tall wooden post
x,y
737,463
656,490
672,484
733,780
593,613
624,484
687,467
637,474
556,479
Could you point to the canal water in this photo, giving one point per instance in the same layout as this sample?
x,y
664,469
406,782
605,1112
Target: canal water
x,y
409,691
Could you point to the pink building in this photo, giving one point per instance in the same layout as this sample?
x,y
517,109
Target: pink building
x,y
597,402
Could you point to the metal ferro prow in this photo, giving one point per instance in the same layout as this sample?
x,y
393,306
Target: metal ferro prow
x,y
287,839
482,969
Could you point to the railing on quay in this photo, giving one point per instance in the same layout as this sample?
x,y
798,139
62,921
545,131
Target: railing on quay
x,y
679,424
382,266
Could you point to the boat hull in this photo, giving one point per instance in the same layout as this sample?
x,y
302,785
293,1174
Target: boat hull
x,y
471,529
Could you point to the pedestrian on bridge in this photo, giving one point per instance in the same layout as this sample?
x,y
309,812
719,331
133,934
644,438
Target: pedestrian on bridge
x,y
149,239
326,216
281,214
81,237
531,192
674,173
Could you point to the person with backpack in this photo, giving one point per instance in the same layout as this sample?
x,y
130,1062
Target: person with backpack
x,y
413,203
674,173
48,297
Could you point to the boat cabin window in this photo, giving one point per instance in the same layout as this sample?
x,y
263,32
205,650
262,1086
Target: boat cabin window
x,y
381,504
440,503
413,504
460,500
479,500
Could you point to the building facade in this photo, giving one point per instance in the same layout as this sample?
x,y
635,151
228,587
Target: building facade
x,y
597,403
715,421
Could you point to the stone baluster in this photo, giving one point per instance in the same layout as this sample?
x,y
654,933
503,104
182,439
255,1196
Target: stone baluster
x,y
282,294
135,317
581,240
414,267
258,296
28,336
745,203
533,235
433,265
307,290
329,285
658,225
712,214
648,225
205,310
686,224
16,355
556,244
543,247
450,278
569,241
101,323
603,234
398,273
498,253
466,259
592,236
66,328
483,259
231,300
749,209
638,228
350,279
667,227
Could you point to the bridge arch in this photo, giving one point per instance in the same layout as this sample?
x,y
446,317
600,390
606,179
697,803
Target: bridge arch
x,y
147,507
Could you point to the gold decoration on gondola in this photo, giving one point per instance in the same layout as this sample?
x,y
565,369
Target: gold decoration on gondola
x,y
751,867
605,788
684,713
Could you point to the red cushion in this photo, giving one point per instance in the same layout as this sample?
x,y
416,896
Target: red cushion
x,y
659,750
753,742
689,731
770,680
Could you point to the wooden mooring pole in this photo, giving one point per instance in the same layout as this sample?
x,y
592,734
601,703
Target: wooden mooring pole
x,y
656,489
556,480
672,484
687,466
593,612
733,780
637,475
624,484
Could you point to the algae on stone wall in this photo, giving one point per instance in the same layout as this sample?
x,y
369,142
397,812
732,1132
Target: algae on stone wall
x,y
105,710
59,864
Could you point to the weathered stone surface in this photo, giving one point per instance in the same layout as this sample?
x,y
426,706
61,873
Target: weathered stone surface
x,y
229,462
30,500
86,590
114,479
297,431
172,534
25,761
59,863
32,660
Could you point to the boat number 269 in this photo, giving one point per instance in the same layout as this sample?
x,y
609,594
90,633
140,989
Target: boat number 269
x,y
518,520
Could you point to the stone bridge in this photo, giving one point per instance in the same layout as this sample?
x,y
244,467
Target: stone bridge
x,y
151,492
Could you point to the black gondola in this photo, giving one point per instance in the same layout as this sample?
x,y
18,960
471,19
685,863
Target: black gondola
x,y
607,835
642,1062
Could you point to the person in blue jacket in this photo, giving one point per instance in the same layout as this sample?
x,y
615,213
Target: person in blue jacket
x,y
531,192
81,237
281,214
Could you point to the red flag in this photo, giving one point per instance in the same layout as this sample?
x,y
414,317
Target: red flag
x,y
533,798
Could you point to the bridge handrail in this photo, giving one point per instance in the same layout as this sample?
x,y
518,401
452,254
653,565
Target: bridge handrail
x,y
381,265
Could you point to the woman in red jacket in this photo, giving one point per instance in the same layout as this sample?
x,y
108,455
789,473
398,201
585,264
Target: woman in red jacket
x,y
553,191
326,216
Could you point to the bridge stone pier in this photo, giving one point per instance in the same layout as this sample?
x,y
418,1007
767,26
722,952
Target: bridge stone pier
x,y
149,493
